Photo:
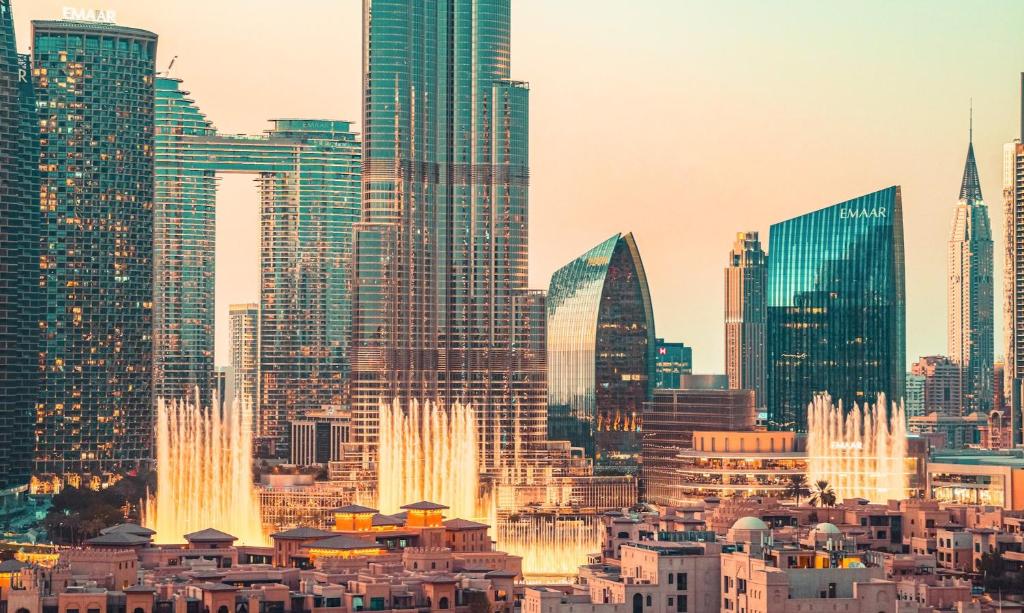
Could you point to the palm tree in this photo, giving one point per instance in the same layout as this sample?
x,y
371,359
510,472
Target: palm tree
x,y
823,494
797,487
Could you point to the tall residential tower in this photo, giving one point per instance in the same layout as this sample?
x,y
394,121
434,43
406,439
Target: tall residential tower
x,y
19,259
307,173
245,353
746,281
1013,284
971,301
94,95
441,247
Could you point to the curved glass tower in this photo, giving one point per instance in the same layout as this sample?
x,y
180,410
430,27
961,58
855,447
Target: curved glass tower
x,y
601,354
836,307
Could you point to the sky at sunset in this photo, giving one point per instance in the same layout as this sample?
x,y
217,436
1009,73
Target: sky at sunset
x,y
682,122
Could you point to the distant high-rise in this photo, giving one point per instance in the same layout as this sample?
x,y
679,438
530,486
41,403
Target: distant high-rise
x,y
746,282
441,247
970,330
913,402
671,361
94,95
245,354
307,172
836,307
943,385
19,259
998,387
1013,284
601,354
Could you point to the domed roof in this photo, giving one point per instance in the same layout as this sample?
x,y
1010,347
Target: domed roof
x,y
827,528
749,523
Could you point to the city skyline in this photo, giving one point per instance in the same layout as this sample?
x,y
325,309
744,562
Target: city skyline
x,y
784,129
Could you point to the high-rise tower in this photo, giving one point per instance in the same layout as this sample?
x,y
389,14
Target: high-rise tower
x,y
307,173
836,307
94,90
970,330
746,282
1013,284
601,354
441,247
19,259
245,353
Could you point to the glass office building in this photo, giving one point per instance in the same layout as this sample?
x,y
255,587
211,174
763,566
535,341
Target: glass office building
x,y
94,95
601,354
441,246
671,361
836,307
307,173
19,262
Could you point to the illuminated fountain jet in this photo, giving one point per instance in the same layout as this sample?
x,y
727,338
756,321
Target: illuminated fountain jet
x,y
427,452
861,453
204,472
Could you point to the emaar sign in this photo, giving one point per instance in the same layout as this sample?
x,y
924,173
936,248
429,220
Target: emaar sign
x,y
863,212
96,15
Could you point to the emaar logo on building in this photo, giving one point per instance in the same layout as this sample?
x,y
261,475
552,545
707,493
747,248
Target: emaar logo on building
x,y
863,212
97,15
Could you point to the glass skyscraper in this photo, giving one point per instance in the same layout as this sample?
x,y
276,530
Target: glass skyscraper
x,y
441,247
671,361
601,354
19,262
836,307
94,95
307,171
971,305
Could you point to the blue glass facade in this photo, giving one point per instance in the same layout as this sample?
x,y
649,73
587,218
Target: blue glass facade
x,y
19,260
94,96
440,250
672,360
308,176
601,354
836,307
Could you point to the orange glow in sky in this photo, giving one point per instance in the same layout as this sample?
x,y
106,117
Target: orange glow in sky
x,y
682,122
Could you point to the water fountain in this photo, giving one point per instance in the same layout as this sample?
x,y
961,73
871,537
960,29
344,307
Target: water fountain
x,y
861,453
204,472
552,544
427,452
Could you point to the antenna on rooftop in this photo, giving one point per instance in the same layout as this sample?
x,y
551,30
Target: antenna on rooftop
x,y
167,72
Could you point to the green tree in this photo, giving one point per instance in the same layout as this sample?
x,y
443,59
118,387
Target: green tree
x,y
797,487
823,494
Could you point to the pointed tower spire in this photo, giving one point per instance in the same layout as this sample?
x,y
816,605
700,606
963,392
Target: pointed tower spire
x,y
970,187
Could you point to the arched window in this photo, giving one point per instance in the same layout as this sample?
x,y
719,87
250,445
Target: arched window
x,y
136,610
442,603
223,609
638,603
